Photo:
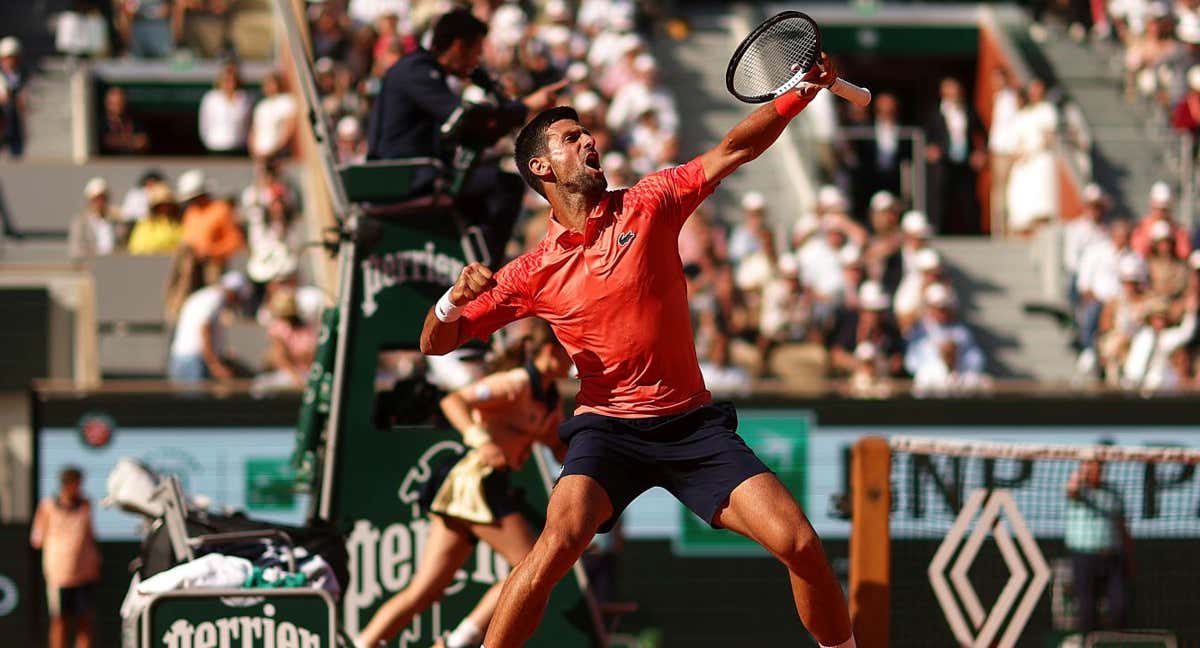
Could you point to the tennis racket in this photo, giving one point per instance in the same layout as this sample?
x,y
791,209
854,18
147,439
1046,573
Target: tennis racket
x,y
774,58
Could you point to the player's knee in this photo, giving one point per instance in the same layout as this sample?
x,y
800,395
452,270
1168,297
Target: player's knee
x,y
800,551
562,545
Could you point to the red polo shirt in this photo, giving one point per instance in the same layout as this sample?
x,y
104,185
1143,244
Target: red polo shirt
x,y
615,296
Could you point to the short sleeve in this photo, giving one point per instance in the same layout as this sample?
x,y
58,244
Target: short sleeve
x,y
507,301
674,192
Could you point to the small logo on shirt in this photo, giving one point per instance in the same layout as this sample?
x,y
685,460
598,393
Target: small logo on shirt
x,y
626,238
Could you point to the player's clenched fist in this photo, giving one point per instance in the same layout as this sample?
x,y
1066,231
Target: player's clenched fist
x,y
474,280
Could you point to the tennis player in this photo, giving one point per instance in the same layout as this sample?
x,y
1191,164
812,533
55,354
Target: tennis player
x,y
471,498
608,279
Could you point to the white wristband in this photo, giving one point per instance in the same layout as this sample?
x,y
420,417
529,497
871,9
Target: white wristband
x,y
445,310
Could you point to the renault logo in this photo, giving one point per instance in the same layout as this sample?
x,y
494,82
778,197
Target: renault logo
x,y
1009,614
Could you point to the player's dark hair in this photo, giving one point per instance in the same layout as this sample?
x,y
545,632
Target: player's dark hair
x,y
459,24
70,474
531,142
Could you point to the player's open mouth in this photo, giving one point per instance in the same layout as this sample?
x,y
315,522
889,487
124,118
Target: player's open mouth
x,y
592,161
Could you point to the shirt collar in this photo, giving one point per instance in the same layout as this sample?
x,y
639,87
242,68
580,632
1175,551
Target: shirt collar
x,y
567,238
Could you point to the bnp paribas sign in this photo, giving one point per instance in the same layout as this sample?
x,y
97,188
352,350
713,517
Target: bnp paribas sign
x,y
299,618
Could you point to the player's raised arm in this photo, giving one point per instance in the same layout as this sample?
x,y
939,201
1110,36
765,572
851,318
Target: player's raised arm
x,y
758,131
444,331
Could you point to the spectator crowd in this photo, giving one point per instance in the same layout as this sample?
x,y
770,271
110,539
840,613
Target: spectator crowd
x,y
1134,290
156,29
233,256
853,289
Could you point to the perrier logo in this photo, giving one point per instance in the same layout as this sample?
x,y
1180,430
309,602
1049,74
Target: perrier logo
x,y
425,265
240,632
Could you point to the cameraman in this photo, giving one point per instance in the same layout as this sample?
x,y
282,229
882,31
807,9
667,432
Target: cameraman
x,y
415,100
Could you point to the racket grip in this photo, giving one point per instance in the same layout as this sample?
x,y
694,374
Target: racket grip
x,y
854,94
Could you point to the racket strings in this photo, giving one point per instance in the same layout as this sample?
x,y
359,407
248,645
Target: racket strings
x,y
777,54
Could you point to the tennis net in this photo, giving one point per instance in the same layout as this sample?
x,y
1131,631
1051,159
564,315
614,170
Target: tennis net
x,y
1006,544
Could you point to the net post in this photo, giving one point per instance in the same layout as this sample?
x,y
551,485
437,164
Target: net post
x,y
870,542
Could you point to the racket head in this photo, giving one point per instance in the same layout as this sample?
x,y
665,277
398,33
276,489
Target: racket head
x,y
774,57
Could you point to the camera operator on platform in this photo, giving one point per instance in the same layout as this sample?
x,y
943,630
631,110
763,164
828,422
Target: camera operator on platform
x,y
415,101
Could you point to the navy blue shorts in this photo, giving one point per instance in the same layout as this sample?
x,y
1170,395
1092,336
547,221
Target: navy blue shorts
x,y
697,456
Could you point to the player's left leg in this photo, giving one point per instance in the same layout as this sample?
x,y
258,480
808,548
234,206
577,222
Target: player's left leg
x,y
762,509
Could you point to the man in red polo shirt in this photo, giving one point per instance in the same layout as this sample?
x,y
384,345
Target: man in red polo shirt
x,y
608,279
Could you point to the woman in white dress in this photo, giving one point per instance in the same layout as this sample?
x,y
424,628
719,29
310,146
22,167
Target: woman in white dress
x,y
1033,181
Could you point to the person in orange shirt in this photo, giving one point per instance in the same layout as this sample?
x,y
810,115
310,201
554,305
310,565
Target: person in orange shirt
x,y
210,227
62,529
608,279
470,498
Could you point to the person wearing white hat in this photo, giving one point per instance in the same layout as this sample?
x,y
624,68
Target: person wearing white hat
x,y
13,103
868,321
10,47
651,146
867,378
351,147
644,92
1161,200
198,348
915,224
914,227
210,229
1098,280
1121,317
1081,232
884,201
93,232
942,353
159,231
831,199
820,270
1148,366
786,312
834,211
927,266
751,234
1168,273
613,55
587,102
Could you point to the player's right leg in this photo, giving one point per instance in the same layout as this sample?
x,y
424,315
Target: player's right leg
x,y
578,506
446,549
